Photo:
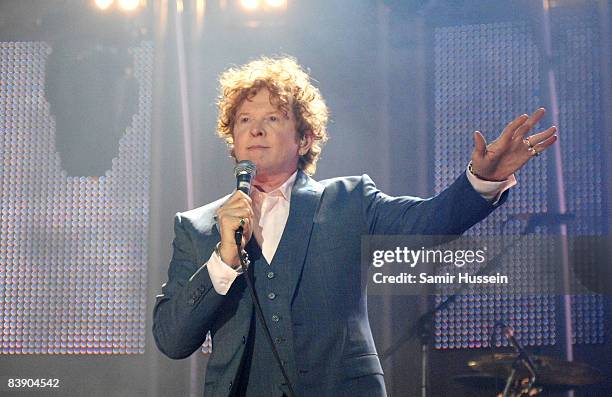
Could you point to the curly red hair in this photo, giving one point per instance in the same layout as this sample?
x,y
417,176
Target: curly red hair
x,y
290,89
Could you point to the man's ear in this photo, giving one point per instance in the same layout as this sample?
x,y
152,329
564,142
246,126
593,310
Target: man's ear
x,y
305,143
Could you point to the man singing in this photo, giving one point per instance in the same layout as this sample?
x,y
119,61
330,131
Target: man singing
x,y
303,241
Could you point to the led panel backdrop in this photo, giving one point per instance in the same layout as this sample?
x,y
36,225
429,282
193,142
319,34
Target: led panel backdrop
x,y
485,75
73,250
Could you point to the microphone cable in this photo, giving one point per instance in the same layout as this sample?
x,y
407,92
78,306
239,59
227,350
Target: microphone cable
x,y
244,261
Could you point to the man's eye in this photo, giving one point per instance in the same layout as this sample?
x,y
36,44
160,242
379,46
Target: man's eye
x,y
273,118
244,119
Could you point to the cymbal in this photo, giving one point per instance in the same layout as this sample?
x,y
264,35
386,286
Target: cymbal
x,y
549,371
480,381
487,382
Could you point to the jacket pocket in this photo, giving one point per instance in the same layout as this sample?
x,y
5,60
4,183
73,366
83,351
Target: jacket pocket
x,y
360,365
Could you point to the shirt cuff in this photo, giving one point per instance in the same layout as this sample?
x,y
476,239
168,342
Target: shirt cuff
x,y
489,190
221,274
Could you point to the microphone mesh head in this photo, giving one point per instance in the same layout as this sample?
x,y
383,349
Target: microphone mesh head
x,y
245,166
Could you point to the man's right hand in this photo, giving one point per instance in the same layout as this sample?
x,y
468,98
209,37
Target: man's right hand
x,y
238,207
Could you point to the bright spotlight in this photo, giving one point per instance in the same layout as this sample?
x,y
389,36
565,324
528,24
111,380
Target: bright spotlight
x,y
249,5
276,3
103,4
129,5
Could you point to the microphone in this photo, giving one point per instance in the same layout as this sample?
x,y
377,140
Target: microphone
x,y
244,172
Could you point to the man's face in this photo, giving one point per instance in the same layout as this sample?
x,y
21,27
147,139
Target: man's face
x,y
267,136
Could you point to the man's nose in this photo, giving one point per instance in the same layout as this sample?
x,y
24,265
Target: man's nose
x,y
257,128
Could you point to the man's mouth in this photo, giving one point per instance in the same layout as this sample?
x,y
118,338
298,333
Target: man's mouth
x,y
255,147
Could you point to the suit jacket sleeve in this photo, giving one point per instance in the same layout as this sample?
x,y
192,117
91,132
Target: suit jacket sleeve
x,y
451,212
185,310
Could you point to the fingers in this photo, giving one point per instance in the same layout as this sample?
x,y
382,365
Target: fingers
x,y
235,212
238,198
541,136
238,212
510,129
239,205
480,144
528,124
540,147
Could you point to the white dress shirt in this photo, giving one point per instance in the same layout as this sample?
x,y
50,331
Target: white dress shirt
x,y
272,210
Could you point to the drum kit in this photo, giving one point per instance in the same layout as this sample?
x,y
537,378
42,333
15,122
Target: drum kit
x,y
519,378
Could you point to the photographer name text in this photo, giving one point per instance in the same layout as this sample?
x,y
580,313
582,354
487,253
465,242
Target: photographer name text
x,y
425,278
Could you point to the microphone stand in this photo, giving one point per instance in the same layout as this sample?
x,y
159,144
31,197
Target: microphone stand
x,y
422,327
523,358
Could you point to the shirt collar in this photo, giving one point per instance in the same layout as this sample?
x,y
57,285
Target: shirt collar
x,y
283,190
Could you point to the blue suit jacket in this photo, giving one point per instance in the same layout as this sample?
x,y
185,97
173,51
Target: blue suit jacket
x,y
321,243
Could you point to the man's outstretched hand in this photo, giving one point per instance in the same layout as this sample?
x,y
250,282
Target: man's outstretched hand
x,y
512,149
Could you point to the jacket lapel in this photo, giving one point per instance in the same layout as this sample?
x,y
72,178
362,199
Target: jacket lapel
x,y
291,251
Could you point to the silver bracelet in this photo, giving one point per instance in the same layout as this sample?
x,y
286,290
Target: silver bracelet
x,y
245,257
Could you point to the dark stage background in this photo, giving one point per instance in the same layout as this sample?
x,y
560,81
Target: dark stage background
x,y
107,123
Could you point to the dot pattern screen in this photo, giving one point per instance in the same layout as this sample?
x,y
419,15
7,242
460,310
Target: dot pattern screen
x,y
73,250
485,75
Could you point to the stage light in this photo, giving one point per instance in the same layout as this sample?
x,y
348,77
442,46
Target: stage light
x,y
276,3
103,4
249,5
129,5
